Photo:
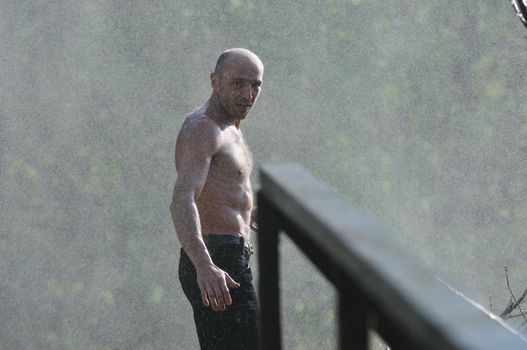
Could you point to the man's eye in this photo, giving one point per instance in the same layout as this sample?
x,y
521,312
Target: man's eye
x,y
237,82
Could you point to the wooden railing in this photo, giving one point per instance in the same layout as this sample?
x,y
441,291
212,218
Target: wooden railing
x,y
379,287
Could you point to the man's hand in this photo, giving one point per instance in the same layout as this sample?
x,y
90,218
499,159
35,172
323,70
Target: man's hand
x,y
214,284
254,224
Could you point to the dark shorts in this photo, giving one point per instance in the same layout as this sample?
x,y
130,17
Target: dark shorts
x,y
237,326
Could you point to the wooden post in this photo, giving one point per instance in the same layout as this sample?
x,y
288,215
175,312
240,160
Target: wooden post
x,y
353,319
268,230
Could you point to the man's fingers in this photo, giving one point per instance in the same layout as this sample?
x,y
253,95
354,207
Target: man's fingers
x,y
205,299
230,282
213,300
209,299
219,298
226,295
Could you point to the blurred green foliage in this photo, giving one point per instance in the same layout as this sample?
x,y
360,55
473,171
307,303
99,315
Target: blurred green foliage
x,y
413,110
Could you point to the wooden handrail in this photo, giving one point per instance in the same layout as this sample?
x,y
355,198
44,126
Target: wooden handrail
x,y
379,286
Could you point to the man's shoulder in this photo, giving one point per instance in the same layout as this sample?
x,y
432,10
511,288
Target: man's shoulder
x,y
198,123
199,132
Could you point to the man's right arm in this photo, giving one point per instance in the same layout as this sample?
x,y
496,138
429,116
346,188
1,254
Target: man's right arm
x,y
196,145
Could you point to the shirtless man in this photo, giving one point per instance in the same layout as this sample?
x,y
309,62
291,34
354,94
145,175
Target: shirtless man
x,y
212,206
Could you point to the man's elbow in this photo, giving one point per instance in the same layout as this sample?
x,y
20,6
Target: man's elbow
x,y
181,203
177,205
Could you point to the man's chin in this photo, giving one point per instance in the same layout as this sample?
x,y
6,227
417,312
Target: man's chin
x,y
243,110
240,115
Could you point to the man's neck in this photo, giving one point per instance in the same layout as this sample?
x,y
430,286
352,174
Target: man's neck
x,y
216,112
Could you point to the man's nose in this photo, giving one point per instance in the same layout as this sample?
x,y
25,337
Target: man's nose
x,y
247,92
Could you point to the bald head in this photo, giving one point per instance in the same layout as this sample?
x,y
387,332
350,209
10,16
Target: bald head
x,y
236,56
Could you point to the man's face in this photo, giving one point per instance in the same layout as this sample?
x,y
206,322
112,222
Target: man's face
x,y
239,87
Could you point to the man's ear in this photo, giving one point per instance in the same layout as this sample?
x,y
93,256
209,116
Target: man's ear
x,y
213,80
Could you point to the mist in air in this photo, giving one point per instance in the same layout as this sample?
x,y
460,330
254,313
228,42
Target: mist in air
x,y
412,110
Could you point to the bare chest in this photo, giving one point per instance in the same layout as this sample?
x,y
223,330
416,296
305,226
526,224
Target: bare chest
x,y
234,158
